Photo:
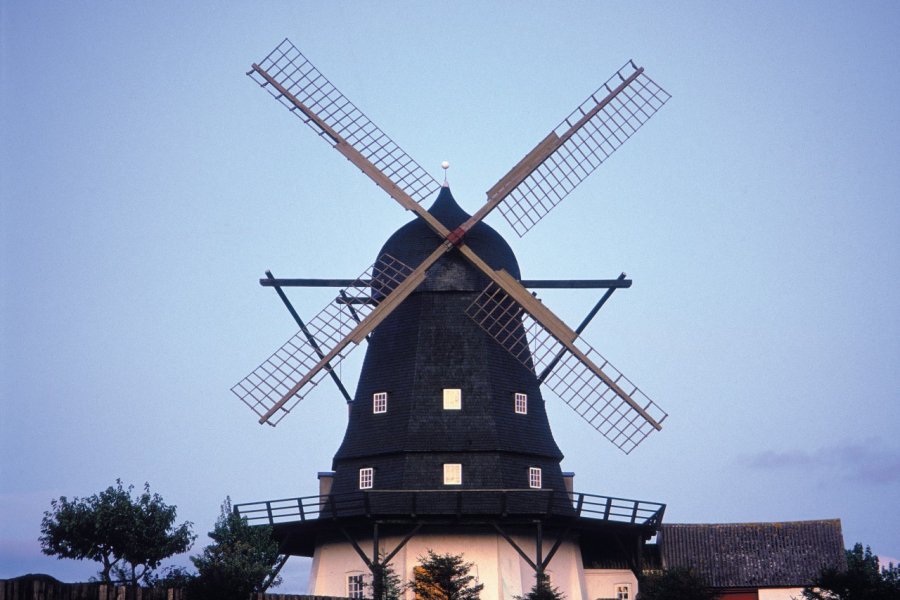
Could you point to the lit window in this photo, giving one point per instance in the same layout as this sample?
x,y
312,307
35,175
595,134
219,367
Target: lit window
x,y
452,474
534,477
521,404
623,591
379,402
355,586
366,476
452,399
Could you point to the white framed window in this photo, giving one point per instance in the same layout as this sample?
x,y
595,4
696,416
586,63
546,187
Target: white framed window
x,y
452,399
623,591
534,477
355,585
366,477
521,403
452,474
379,402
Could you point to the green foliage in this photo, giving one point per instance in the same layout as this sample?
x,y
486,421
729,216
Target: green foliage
x,y
864,579
391,587
129,536
674,584
240,561
542,590
173,577
444,577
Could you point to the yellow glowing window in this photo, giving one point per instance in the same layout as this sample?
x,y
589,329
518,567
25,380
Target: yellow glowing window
x,y
452,474
452,399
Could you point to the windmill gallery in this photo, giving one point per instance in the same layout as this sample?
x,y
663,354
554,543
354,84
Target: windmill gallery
x,y
448,446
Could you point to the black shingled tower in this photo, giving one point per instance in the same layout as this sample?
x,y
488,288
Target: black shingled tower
x,y
429,344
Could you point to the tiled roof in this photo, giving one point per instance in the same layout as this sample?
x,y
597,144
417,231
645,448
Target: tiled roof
x,y
753,554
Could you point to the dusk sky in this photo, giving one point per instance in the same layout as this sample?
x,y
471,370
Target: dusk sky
x,y
146,184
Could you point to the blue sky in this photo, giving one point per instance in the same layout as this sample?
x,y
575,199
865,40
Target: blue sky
x,y
146,184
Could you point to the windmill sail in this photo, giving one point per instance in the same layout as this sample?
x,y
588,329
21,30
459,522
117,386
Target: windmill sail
x,y
577,146
301,88
267,386
588,383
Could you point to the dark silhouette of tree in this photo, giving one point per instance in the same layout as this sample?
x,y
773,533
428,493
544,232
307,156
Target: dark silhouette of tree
x,y
674,584
241,560
129,536
864,579
444,577
542,590
384,582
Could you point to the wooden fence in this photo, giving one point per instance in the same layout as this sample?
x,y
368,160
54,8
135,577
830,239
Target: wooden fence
x,y
44,587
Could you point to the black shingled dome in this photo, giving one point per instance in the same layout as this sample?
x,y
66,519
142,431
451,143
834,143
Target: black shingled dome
x,y
429,344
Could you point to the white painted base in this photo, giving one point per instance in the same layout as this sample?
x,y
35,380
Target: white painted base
x,y
780,593
603,583
498,566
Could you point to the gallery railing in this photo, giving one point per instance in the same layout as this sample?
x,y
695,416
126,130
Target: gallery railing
x,y
468,502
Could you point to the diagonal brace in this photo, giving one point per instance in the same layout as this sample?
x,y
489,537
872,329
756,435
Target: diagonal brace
x,y
309,337
590,316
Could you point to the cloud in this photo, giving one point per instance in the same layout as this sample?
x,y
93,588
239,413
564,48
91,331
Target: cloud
x,y
884,560
867,463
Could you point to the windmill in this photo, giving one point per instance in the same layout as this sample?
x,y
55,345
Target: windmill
x,y
447,430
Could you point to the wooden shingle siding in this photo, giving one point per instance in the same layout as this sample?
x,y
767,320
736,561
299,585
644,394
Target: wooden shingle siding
x,y
428,345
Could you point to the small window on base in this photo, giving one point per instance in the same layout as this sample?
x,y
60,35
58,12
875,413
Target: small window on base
x,y
521,404
379,402
366,478
534,477
623,591
355,586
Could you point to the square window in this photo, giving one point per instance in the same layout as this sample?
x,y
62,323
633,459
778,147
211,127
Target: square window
x,y
623,591
355,586
521,404
452,474
379,402
366,477
452,399
534,477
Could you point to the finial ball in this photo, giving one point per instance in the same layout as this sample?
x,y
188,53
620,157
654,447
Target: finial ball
x,y
445,165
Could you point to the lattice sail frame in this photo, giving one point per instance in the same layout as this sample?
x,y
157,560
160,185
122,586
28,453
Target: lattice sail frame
x,y
586,148
287,65
569,378
273,379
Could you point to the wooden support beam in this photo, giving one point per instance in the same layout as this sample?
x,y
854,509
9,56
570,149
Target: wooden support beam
x,y
309,337
569,284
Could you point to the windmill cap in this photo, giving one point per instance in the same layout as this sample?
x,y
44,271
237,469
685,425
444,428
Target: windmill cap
x,y
415,241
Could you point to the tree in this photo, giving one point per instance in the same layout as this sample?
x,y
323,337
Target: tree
x,y
242,560
864,579
129,536
542,590
674,584
384,581
444,577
